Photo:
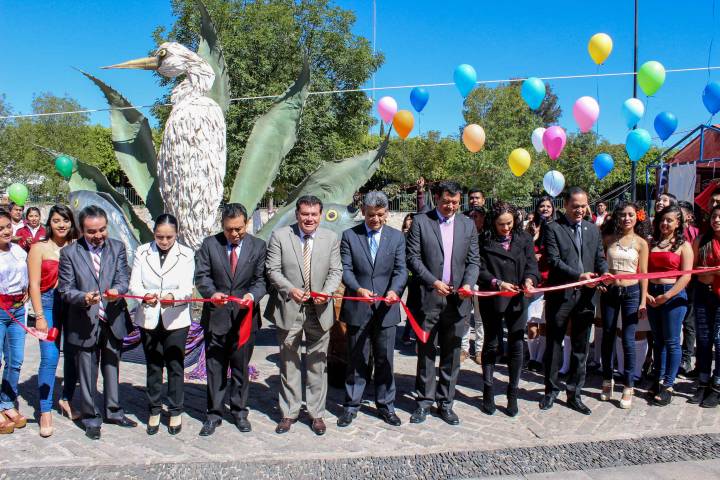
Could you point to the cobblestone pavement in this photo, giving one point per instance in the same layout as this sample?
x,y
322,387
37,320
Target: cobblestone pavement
x,y
555,440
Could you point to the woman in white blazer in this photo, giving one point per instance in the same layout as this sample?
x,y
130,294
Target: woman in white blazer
x,y
163,271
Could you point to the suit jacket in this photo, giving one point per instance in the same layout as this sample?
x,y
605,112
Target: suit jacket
x,y
285,272
77,277
213,274
514,266
175,277
425,259
388,272
562,254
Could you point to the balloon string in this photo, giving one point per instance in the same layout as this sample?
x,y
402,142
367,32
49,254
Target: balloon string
x,y
597,96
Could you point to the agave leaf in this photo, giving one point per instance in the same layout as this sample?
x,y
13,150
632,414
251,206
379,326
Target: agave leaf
x,y
272,137
134,148
210,50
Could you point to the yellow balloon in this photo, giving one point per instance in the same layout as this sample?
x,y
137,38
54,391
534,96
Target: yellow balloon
x,y
519,161
403,122
473,137
600,47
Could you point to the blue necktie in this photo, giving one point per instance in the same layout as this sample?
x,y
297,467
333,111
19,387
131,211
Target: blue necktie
x,y
373,244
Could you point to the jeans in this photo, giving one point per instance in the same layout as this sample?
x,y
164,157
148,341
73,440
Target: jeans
x,y
12,348
707,327
615,300
49,351
666,324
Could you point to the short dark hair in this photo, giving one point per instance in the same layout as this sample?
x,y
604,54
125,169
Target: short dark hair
x,y
475,190
452,188
165,219
573,191
478,210
90,211
601,203
32,209
12,205
310,200
685,204
233,210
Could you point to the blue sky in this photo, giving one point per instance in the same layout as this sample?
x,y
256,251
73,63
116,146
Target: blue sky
x,y
422,41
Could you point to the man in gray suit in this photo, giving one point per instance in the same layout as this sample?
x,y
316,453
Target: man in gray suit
x,y
93,271
303,258
373,257
442,251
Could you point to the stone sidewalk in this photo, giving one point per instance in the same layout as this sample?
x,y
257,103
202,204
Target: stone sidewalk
x,y
368,441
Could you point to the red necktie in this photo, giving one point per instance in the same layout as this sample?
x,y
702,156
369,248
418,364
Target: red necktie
x,y
233,258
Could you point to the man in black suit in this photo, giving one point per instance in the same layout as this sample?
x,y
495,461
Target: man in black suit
x,y
574,252
92,272
442,250
231,263
373,258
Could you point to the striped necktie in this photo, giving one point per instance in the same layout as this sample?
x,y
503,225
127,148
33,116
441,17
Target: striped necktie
x,y
95,254
307,256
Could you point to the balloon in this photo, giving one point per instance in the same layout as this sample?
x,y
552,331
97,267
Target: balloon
x,y
553,183
633,110
465,78
651,77
387,107
537,139
64,166
403,123
599,47
637,143
519,161
711,97
18,193
419,98
533,92
665,125
586,112
554,140
473,137
603,164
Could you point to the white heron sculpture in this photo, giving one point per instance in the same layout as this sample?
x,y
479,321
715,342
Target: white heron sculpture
x,y
192,157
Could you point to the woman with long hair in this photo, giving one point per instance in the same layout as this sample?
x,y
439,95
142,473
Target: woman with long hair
x,y
626,252
510,266
32,232
667,299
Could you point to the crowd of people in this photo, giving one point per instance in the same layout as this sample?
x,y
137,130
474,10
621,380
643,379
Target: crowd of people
x,y
77,280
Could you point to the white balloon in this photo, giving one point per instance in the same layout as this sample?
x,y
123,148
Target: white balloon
x,y
537,136
554,182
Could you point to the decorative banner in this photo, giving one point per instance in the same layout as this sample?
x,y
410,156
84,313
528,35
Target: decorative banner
x,y
651,77
637,143
519,161
586,112
18,194
553,182
387,108
419,98
599,47
64,166
537,139
603,164
533,92
403,123
473,137
633,110
665,125
465,79
554,140
711,97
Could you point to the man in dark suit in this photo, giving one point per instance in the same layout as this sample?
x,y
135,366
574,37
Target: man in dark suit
x,y
92,272
230,263
574,252
373,258
442,250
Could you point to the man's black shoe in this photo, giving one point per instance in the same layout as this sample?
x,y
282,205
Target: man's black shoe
x,y
575,403
346,418
93,433
390,418
243,424
209,427
419,415
447,414
122,422
548,401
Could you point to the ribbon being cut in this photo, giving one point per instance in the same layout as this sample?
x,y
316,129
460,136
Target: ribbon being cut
x,y
9,302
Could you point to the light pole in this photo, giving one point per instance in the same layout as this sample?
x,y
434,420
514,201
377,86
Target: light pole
x,y
633,166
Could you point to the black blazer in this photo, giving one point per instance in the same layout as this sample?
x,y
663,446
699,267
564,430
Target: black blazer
x,y
388,272
514,266
562,255
212,274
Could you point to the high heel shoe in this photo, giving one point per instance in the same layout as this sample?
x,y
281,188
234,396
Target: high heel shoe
x,y
6,425
175,425
18,420
46,430
512,404
66,410
608,387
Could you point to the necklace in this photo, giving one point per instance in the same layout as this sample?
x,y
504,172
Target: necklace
x,y
664,243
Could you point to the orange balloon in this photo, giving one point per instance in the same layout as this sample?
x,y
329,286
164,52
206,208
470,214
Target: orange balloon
x,y
403,122
473,137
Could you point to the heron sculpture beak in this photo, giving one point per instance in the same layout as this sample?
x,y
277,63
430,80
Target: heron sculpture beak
x,y
147,63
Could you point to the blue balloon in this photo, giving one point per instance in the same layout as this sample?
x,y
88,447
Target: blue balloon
x,y
603,164
637,143
633,110
533,92
665,125
419,98
711,97
465,78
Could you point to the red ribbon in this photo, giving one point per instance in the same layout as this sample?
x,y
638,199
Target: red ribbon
x,y
48,336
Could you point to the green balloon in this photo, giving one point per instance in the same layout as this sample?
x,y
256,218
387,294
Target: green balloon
x,y
651,77
18,193
64,166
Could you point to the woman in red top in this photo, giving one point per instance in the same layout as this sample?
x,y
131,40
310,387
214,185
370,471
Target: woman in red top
x,y
43,264
32,232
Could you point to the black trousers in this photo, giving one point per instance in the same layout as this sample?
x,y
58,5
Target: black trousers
x,y
493,326
165,349
361,341
221,352
579,310
446,332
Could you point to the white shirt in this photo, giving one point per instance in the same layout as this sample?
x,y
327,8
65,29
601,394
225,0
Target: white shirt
x,y
13,270
238,247
303,239
17,226
599,219
377,235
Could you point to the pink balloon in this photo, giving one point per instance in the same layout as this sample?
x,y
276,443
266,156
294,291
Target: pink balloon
x,y
554,141
586,112
387,107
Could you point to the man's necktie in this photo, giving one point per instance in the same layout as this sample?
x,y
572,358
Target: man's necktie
x,y
307,254
233,259
373,244
578,244
95,254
